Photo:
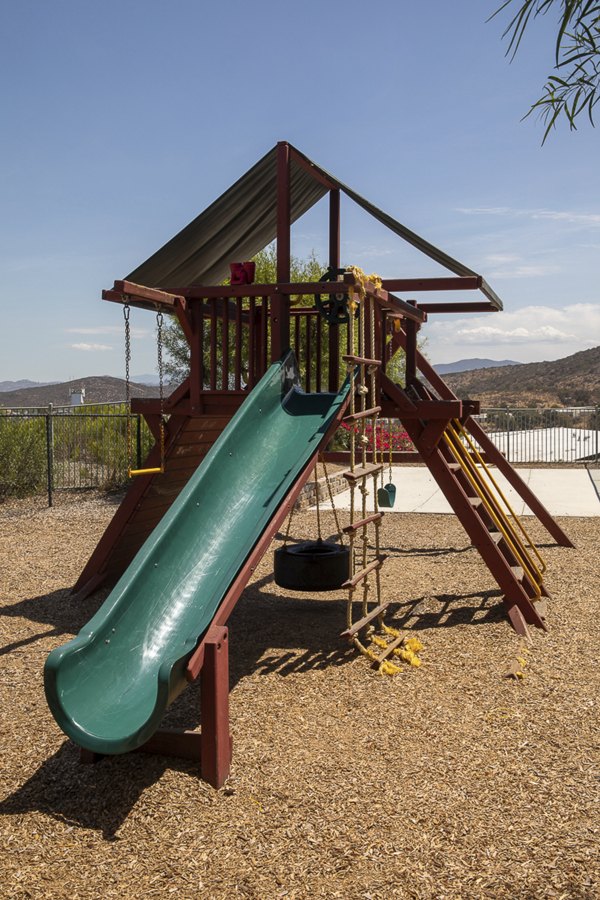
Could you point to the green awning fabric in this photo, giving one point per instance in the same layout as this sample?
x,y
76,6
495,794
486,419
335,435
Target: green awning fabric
x,y
243,221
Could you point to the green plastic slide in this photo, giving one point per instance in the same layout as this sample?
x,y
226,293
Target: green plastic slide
x,y
109,687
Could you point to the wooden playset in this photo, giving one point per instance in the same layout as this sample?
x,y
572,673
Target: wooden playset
x,y
257,352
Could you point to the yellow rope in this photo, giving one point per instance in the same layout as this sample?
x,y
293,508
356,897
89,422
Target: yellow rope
x,y
408,649
473,447
498,517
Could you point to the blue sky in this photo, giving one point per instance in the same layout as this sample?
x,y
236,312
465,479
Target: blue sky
x,y
123,120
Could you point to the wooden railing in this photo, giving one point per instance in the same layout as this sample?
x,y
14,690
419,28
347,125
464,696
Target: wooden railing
x,y
233,337
236,331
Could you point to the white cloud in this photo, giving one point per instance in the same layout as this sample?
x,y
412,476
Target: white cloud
x,y
99,329
509,265
91,348
524,271
500,259
108,329
528,334
565,216
487,334
568,216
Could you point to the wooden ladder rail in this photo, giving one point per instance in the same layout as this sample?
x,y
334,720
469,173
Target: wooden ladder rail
x,y
519,606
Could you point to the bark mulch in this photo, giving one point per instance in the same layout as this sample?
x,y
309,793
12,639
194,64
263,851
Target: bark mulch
x,y
449,781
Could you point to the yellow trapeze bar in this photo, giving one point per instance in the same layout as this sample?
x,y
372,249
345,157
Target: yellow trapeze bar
x,y
158,470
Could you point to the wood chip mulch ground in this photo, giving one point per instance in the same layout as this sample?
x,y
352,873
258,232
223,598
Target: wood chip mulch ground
x,y
448,781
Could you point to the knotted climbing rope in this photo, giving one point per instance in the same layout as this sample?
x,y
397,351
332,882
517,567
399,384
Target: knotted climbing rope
x,y
366,558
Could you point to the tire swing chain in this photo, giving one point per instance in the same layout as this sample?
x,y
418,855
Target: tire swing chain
x,y
126,312
155,470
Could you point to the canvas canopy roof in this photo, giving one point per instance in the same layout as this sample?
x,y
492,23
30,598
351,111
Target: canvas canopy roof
x,y
243,221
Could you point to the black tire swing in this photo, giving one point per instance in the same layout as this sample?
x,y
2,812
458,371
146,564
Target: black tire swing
x,y
313,566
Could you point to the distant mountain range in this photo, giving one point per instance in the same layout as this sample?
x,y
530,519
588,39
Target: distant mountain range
x,y
23,383
466,365
98,389
571,381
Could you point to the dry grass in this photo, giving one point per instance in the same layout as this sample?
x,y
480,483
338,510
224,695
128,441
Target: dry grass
x,y
448,781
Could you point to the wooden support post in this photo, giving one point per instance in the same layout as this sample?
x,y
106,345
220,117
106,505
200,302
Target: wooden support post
x,y
280,303
334,262
411,352
215,737
283,213
280,325
196,359
211,747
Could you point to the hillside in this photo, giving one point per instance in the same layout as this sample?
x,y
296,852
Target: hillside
x,y
23,383
571,381
98,389
465,365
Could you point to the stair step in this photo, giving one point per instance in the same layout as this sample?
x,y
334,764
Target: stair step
x,y
364,573
354,629
518,572
475,502
363,414
363,471
496,536
454,467
541,607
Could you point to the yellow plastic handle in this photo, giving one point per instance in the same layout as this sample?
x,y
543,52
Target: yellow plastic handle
x,y
159,470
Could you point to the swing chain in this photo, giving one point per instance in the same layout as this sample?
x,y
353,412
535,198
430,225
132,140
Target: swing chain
x,y
340,533
126,311
159,340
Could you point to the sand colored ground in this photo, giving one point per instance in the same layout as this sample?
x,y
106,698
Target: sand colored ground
x,y
447,781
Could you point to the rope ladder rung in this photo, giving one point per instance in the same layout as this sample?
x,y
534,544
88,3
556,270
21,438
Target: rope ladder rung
x,y
362,414
362,523
360,360
363,471
366,620
364,573
390,649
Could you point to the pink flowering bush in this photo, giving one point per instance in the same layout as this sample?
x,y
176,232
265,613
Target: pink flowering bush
x,y
384,436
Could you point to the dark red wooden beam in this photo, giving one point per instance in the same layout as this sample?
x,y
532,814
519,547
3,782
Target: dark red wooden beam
x,y
139,295
333,375
313,170
454,283
466,307
283,212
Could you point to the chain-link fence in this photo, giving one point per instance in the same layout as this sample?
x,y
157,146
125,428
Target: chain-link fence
x,y
68,449
57,451
566,435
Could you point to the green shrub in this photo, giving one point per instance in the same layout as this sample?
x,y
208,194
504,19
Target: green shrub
x,y
23,461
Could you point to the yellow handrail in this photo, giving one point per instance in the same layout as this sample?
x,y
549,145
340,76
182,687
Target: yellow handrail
x,y
157,470
497,515
464,433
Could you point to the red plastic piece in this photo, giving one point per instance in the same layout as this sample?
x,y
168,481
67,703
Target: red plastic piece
x,y
242,272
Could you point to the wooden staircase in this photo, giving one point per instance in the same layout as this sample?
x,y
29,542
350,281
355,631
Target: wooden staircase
x,y
451,449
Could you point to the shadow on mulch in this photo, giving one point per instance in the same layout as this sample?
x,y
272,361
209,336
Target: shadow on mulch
x,y
269,633
57,608
98,796
426,551
447,611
